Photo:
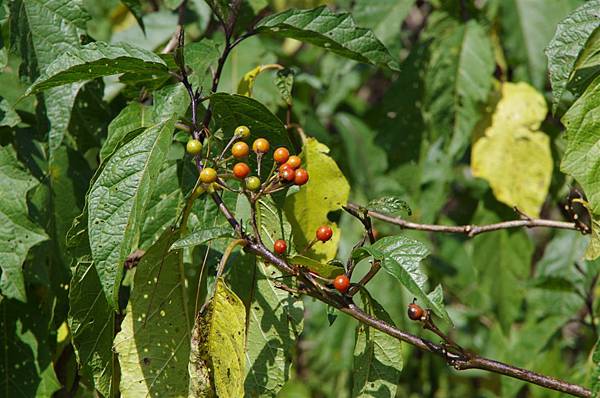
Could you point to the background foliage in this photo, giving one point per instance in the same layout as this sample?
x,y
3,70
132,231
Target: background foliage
x,y
462,109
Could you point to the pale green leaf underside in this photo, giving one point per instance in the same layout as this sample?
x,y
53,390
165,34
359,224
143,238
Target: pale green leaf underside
x,y
202,236
118,198
335,32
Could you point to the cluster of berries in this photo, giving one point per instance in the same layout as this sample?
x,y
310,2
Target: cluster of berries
x,y
289,170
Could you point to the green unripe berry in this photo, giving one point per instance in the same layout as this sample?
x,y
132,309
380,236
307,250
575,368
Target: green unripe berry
x,y
242,131
252,183
208,175
193,147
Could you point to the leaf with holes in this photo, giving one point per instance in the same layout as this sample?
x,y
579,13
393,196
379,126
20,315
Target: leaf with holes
x,y
217,360
154,342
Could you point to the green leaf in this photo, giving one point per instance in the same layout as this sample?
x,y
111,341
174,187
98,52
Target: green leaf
x,y
512,252
96,60
8,116
587,66
284,81
568,41
217,362
389,205
42,31
133,117
27,369
274,322
326,191
513,152
459,79
118,199
17,232
201,57
154,342
92,324
335,32
593,250
377,356
323,269
595,384
202,236
527,28
383,17
136,9
400,257
221,8
580,159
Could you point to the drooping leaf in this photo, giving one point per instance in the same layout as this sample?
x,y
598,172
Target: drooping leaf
x,y
17,232
136,9
400,257
586,67
377,356
568,41
118,199
335,32
217,360
97,59
246,84
512,152
154,342
92,325
326,191
527,28
202,236
284,81
459,80
8,116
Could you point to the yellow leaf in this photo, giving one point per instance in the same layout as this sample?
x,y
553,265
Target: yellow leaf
x,y
327,190
246,85
593,249
511,154
217,358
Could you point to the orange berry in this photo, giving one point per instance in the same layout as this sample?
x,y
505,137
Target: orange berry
x,y
294,161
261,145
341,283
241,170
300,177
281,155
324,233
240,150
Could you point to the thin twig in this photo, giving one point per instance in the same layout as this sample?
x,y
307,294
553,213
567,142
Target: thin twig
x,y
468,230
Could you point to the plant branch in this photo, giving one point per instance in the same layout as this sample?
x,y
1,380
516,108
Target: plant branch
x,y
468,230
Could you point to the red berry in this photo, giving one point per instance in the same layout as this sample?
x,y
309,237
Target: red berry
x,y
324,233
240,149
294,161
260,145
415,312
300,177
341,283
241,170
287,174
280,246
281,155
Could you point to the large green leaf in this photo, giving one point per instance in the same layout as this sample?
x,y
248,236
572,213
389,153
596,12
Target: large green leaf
x,y
581,158
17,232
118,199
458,81
201,236
96,60
217,363
154,342
400,257
527,27
377,356
202,57
568,41
587,66
327,190
92,325
335,32
42,31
